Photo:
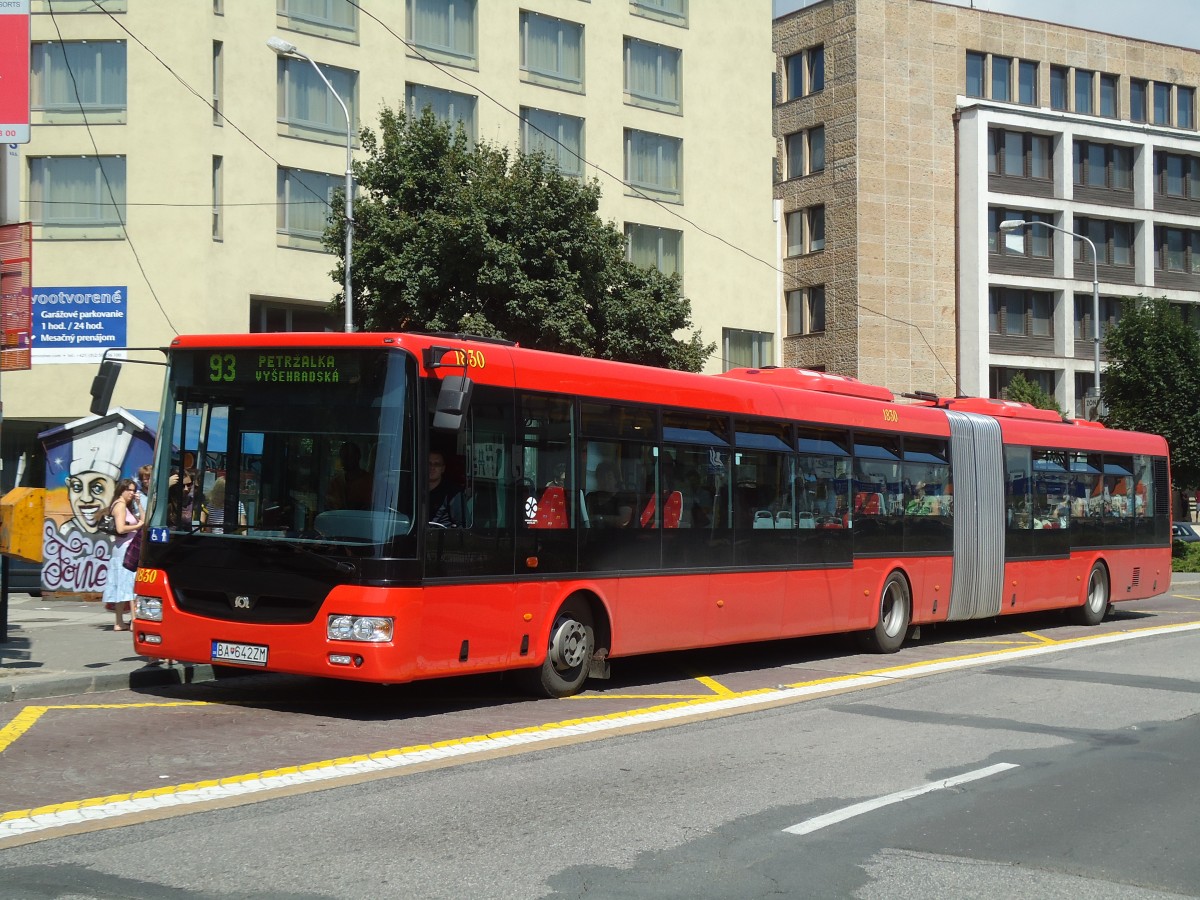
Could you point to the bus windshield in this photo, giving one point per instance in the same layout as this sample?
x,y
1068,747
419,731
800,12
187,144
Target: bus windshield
x,y
296,444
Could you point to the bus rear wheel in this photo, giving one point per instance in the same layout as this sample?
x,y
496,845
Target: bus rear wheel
x,y
569,653
1095,605
895,615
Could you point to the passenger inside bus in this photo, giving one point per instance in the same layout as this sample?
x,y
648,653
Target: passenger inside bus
x,y
608,506
350,487
445,497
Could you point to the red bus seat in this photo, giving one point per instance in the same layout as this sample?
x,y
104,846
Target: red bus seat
x,y
673,510
552,509
647,520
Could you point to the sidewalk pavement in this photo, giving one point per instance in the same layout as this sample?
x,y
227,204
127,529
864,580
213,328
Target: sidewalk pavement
x,y
60,647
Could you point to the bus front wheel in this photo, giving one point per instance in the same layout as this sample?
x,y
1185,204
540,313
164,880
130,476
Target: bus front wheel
x,y
1095,605
895,615
569,654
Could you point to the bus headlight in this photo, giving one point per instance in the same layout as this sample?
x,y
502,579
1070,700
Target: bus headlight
x,y
148,608
373,629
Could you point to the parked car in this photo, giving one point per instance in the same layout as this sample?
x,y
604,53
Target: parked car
x,y
1185,531
24,577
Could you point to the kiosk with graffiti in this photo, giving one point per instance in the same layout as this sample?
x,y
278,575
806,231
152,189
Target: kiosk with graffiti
x,y
84,461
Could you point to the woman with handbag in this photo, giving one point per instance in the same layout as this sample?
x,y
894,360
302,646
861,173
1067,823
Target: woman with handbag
x,y
118,588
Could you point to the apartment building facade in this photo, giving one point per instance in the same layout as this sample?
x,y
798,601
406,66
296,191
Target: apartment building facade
x,y
936,124
180,171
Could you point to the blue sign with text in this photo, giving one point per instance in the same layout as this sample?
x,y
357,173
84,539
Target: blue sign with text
x,y
77,324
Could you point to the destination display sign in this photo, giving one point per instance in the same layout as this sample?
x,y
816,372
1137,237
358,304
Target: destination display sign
x,y
266,367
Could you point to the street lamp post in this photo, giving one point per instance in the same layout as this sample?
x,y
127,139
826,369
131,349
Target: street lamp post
x,y
1013,225
287,48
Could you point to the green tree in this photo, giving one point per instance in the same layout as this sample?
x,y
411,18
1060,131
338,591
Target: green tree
x,y
1023,390
1153,380
450,237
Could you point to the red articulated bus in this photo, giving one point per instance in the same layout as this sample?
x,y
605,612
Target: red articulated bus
x,y
417,506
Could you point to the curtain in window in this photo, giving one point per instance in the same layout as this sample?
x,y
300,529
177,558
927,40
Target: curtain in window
x,y
447,106
305,100
653,161
654,248
73,191
337,13
816,239
98,68
795,233
553,47
305,199
653,72
447,25
559,137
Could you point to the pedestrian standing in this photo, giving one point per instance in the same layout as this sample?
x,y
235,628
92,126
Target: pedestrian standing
x,y
127,516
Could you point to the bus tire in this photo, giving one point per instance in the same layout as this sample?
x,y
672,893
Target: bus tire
x,y
895,615
568,653
1095,604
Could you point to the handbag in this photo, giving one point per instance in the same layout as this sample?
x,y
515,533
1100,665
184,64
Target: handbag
x,y
133,552
107,524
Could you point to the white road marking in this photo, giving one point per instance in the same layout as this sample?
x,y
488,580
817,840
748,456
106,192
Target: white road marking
x,y
808,826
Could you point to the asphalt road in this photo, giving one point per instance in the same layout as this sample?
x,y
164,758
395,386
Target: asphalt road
x,y
1089,755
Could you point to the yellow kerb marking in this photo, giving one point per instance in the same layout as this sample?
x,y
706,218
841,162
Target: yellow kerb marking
x,y
1038,637
715,686
25,719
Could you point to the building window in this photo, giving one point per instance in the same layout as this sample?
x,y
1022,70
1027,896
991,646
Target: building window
x,y
653,163
551,50
317,15
1027,83
654,248
1177,176
448,107
446,27
1185,105
218,81
806,231
218,189
1177,250
1110,315
805,72
305,103
1059,76
1113,241
1001,376
653,75
1084,84
557,135
1137,99
271,316
805,152
747,349
1103,166
806,310
304,200
77,196
1002,78
976,66
1017,154
1162,104
1108,96
78,76
1020,313
674,12
1032,241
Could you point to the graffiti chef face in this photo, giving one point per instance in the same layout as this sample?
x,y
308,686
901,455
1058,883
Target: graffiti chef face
x,y
90,493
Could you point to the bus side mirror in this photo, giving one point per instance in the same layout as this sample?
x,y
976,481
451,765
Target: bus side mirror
x,y
103,385
453,400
